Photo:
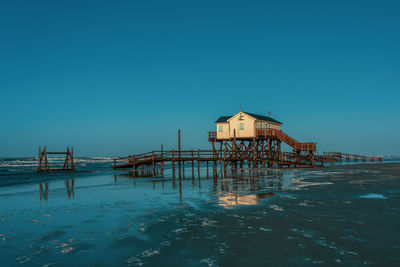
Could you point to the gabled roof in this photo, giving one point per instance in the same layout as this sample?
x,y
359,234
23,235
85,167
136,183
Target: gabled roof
x,y
223,119
262,118
256,116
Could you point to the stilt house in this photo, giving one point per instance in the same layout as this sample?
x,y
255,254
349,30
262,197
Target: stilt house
x,y
244,125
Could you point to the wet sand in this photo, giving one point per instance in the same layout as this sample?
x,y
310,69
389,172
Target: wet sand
x,y
347,215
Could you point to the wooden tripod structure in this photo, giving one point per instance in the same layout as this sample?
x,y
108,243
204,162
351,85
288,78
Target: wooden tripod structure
x,y
44,163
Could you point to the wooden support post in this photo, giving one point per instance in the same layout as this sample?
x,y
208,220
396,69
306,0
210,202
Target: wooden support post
x,y
233,166
312,159
180,190
225,160
179,152
254,153
40,160
152,157
192,163
162,161
222,169
207,168
213,166
198,162
46,163
234,138
69,157
72,158
173,163
183,169
66,159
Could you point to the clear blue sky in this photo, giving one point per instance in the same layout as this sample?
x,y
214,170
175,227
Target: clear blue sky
x,y
120,77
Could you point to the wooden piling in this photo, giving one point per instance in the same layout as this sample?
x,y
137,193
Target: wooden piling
x,y
192,163
40,160
183,169
225,161
198,163
179,152
213,166
173,163
72,158
233,166
46,163
154,166
162,161
222,168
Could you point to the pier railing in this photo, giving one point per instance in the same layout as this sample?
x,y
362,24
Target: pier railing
x,y
284,158
170,155
338,156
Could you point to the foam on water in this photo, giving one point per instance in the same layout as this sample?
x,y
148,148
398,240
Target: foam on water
x,y
24,170
33,162
373,195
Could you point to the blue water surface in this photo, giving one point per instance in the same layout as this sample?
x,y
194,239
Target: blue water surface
x,y
344,215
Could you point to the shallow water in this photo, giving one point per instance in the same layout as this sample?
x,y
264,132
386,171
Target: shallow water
x,y
348,215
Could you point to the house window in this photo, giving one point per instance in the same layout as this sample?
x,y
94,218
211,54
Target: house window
x,y
221,128
242,126
260,125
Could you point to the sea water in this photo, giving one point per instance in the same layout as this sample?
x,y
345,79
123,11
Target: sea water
x,y
347,215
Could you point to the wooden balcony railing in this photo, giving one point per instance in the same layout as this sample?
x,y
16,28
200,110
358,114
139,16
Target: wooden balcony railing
x,y
212,136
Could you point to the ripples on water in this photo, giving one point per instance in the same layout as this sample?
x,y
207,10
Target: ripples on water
x,y
346,215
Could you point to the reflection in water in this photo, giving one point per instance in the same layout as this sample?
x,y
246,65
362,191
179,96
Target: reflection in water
x,y
44,189
244,187
70,188
232,199
43,192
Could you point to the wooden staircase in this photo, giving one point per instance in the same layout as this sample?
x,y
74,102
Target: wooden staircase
x,y
290,141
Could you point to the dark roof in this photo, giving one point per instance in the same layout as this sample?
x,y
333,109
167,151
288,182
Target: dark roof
x,y
262,118
256,116
223,118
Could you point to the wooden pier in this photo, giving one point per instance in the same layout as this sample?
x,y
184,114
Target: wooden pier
x,y
153,163
263,151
